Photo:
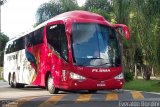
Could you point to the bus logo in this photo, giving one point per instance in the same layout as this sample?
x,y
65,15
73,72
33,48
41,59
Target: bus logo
x,y
101,70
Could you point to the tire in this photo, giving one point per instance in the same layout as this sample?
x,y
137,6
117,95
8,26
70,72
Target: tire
x,y
92,91
9,79
50,85
19,85
14,82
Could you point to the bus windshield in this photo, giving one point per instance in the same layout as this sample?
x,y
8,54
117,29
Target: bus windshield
x,y
95,45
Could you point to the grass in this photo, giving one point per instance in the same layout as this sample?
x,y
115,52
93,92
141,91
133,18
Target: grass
x,y
143,85
1,69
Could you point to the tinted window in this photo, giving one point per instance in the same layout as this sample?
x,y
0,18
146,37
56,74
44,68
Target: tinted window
x,y
8,48
95,45
57,40
34,38
19,44
31,39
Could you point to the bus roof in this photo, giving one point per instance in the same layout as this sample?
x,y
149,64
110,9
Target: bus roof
x,y
80,14
76,14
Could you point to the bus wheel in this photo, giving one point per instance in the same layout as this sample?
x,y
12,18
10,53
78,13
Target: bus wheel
x,y
9,79
92,91
20,85
14,82
50,85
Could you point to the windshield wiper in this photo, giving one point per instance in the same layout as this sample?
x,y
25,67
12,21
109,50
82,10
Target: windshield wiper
x,y
112,64
104,64
96,58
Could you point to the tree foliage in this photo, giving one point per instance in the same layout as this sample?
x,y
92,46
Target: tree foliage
x,y
3,41
2,2
121,9
102,7
53,8
142,16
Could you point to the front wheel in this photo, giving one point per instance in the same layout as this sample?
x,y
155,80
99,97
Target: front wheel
x,y
50,85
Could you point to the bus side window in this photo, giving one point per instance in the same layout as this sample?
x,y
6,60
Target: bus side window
x,y
64,43
29,41
57,39
34,38
38,36
11,48
19,44
15,46
8,49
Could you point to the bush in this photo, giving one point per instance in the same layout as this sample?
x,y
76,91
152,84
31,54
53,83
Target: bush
x,y
128,75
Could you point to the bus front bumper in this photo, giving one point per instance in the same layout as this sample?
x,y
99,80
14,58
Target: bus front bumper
x,y
90,84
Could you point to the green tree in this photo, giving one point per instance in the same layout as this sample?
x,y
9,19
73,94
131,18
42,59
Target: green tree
x,y
1,3
121,9
53,8
146,23
102,7
142,16
3,40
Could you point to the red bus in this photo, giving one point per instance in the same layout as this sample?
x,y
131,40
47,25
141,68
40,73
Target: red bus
x,y
76,50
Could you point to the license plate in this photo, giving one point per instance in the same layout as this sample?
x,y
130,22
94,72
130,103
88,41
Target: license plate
x,y
101,84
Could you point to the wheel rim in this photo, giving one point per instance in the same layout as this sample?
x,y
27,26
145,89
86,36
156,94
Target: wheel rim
x,y
50,82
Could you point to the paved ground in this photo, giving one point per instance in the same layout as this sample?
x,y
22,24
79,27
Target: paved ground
x,y
32,96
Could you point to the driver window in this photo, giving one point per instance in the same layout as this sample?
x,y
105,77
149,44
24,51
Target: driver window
x,y
57,40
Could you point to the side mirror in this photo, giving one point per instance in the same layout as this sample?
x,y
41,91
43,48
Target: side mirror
x,y
123,29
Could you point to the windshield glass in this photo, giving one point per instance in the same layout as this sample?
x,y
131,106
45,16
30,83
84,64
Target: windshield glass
x,y
94,45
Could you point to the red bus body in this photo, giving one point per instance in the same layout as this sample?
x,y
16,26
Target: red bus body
x,y
47,61
50,62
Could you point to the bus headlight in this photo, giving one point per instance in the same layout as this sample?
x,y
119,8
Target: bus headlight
x,y
120,76
76,76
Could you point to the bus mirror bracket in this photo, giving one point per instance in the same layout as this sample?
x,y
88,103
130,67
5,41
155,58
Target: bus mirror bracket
x,y
123,30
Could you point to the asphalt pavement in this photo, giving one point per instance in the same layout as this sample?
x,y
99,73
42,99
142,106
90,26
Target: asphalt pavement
x,y
32,96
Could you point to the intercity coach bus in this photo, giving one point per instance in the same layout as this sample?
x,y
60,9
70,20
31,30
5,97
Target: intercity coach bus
x,y
76,50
